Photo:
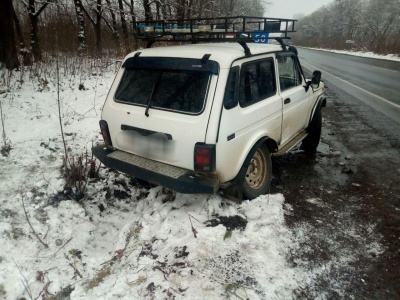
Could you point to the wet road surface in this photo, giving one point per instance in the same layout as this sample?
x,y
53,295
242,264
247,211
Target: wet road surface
x,y
372,81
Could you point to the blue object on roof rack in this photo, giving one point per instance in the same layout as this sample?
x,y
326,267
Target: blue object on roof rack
x,y
261,37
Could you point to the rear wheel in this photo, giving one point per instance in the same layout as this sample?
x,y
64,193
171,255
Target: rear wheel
x,y
258,176
311,142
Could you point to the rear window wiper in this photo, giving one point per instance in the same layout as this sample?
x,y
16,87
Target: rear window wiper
x,y
153,92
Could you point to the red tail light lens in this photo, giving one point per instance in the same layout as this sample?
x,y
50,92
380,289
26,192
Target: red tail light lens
x,y
204,157
105,133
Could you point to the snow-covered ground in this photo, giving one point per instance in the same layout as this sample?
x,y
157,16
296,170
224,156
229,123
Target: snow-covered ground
x,y
123,241
362,54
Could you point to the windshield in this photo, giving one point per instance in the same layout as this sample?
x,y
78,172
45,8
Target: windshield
x,y
178,90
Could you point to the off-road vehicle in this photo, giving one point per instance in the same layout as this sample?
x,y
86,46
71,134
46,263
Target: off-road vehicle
x,y
208,114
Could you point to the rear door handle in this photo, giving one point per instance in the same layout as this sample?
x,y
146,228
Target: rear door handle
x,y
286,101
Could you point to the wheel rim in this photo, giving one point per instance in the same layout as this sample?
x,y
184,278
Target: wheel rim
x,y
257,170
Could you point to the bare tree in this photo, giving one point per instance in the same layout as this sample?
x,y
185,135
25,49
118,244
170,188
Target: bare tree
x,y
18,28
113,25
96,21
132,21
8,50
34,14
180,9
384,20
365,24
147,10
369,24
23,51
123,22
81,25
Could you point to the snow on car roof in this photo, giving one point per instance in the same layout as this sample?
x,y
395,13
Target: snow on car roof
x,y
223,53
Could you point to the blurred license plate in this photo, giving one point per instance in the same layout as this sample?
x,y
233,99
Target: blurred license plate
x,y
156,145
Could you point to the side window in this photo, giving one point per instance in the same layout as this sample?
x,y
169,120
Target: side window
x,y
257,81
230,98
289,73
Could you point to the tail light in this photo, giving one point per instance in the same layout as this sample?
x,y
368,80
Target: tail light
x,y
105,133
204,157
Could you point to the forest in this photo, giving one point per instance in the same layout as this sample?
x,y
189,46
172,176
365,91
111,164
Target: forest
x,y
31,28
359,25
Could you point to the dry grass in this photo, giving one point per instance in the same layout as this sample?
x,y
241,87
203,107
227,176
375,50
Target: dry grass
x,y
77,171
98,278
6,144
138,281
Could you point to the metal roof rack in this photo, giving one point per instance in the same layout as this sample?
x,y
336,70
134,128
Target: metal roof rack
x,y
242,29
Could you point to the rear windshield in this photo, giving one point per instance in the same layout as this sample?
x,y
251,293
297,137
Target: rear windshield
x,y
178,90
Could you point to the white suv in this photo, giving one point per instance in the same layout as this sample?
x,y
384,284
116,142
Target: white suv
x,y
202,117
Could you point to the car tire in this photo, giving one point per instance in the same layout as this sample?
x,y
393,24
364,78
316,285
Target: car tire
x,y
311,142
258,175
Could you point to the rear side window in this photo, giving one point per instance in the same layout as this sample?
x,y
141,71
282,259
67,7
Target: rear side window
x,y
289,73
178,90
257,81
230,97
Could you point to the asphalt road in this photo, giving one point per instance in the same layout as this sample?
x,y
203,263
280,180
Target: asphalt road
x,y
375,82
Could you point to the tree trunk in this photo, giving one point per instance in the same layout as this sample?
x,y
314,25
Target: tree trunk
x,y
35,45
23,51
114,26
81,25
34,19
164,11
180,9
158,14
189,8
98,25
8,50
147,10
123,23
18,29
133,24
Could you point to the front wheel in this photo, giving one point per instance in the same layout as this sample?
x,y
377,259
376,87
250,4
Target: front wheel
x,y
310,143
257,179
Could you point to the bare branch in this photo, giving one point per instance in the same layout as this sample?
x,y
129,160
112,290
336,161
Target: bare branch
x,y
25,3
193,229
41,9
24,282
30,225
62,246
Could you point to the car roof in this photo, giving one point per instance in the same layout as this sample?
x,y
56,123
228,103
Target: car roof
x,y
223,53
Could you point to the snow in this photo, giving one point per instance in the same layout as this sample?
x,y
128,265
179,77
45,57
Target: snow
x,y
123,241
367,54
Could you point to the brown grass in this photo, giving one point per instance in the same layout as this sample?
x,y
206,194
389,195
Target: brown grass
x,y
98,278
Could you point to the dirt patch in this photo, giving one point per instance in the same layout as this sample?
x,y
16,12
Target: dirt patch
x,y
231,223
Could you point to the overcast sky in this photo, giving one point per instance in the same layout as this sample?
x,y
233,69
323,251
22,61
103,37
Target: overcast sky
x,y
288,8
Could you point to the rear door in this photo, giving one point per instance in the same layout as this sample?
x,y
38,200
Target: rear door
x,y
160,107
252,110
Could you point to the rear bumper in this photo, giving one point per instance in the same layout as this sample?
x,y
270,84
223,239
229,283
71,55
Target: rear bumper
x,y
174,178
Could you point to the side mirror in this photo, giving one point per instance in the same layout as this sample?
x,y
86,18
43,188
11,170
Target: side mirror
x,y
316,79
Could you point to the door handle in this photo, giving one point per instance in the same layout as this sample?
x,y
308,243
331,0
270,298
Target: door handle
x,y
286,101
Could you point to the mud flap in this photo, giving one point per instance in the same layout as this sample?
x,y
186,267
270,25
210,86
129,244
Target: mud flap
x,y
234,193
